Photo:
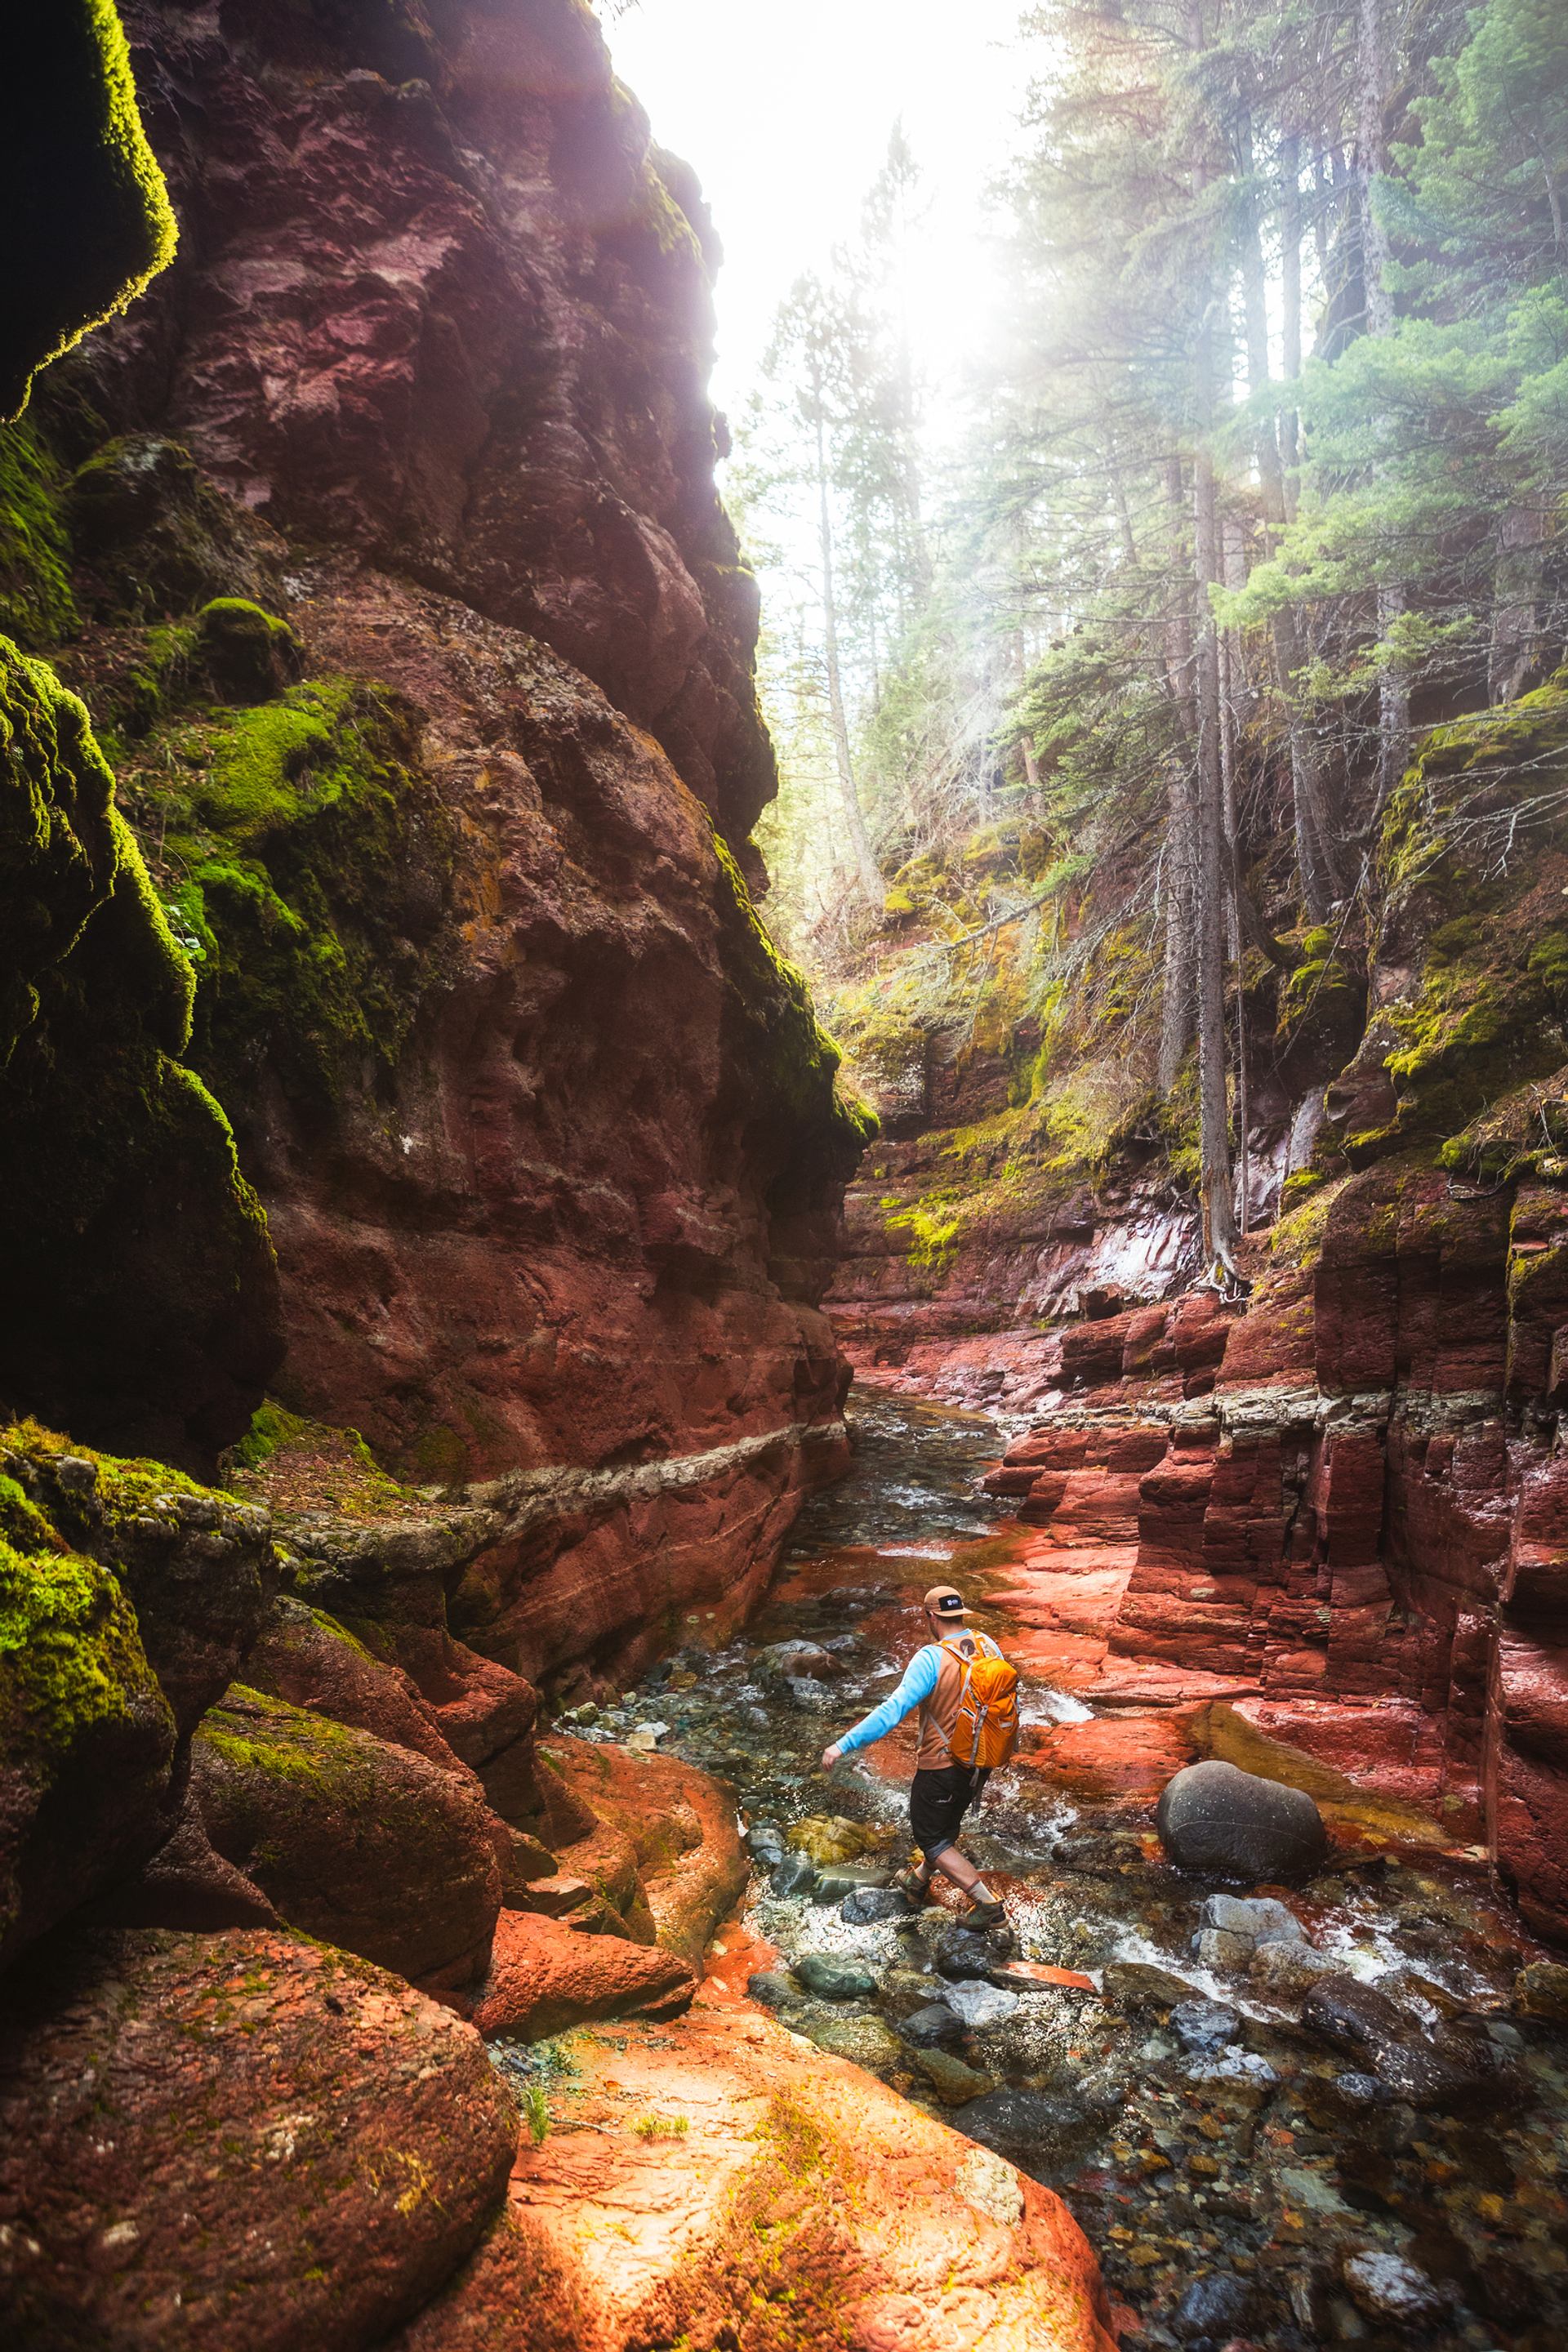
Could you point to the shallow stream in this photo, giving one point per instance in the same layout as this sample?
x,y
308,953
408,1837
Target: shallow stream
x,y
1245,2173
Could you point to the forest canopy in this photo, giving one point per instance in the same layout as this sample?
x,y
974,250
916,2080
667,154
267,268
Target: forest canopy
x,y
1095,734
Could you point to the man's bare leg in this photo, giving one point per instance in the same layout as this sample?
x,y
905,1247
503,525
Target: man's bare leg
x,y
964,1875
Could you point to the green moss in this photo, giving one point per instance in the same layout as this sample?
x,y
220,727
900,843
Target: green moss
x,y
269,1740
87,214
135,1261
36,606
70,1654
303,857
786,1045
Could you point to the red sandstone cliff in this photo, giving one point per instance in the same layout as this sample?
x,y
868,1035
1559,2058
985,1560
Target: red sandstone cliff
x,y
547,1139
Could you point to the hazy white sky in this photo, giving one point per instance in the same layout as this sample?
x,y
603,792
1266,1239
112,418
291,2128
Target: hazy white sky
x,y
785,113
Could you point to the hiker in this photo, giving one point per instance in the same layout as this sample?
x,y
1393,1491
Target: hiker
x,y
968,1697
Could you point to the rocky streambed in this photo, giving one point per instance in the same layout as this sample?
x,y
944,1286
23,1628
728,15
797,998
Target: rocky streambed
x,y
1329,2113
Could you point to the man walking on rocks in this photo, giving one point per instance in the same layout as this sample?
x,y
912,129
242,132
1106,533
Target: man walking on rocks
x,y
937,1680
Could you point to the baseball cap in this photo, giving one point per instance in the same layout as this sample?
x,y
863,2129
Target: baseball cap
x,y
944,1602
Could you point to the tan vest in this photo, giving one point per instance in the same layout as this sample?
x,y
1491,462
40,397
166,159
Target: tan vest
x,y
938,1713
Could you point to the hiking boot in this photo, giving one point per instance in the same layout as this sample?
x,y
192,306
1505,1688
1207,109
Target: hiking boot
x,y
983,1916
914,1888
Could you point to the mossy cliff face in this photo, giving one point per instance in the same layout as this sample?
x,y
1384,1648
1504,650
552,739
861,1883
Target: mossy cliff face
x,y
547,1137
141,1293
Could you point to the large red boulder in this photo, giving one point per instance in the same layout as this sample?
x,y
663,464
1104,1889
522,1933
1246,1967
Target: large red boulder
x,y
546,1976
237,2141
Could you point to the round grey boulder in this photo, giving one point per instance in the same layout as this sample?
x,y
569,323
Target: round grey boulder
x,y
832,1978
1227,1824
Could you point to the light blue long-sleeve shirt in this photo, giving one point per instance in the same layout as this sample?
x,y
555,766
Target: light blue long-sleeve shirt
x,y
919,1682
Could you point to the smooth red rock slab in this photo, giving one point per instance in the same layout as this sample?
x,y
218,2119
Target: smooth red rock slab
x,y
1035,1972
784,2182
682,1827
235,2143
546,1977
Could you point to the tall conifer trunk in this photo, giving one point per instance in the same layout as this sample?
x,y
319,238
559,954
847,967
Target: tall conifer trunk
x,y
1371,98
1215,1180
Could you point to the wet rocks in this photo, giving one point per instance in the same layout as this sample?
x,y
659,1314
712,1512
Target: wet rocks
x,y
1137,1985
954,2083
1215,2308
827,1838
833,1978
1540,1990
1445,2068
546,1977
1214,1818
1388,2288
864,2041
1204,2025
961,1954
928,2027
867,1905
977,2004
772,1988
796,1874
1233,1929
241,2138
1287,1970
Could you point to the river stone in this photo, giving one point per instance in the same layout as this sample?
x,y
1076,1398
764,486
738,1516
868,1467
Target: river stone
x,y
1204,2024
772,1988
864,2041
1214,1818
1286,1970
1137,1984
1388,2287
954,2083
1215,2306
832,1978
960,1953
795,1875
1026,2127
838,1879
867,1905
928,2026
811,1697
978,2005
787,1662
829,1838
1259,1917
764,1843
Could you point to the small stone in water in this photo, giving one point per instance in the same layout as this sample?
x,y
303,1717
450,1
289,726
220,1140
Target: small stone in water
x,y
1204,2024
1215,2306
928,2026
795,1875
772,1988
1358,2095
1136,1984
954,2083
981,2004
811,1697
832,1978
867,1905
962,1953
1388,2287
1260,1916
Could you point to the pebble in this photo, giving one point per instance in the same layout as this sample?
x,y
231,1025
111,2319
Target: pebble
x,y
1388,2287
1259,1917
866,1905
960,1953
979,2004
772,1988
954,2083
795,1874
1204,2024
832,1978
1215,2306
928,2026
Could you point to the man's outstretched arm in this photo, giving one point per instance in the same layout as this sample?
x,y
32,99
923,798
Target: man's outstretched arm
x,y
919,1682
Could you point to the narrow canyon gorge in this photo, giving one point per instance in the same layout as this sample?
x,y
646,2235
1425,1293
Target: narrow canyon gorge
x,y
490,1358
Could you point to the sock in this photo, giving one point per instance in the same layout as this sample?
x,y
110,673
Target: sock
x,y
981,1893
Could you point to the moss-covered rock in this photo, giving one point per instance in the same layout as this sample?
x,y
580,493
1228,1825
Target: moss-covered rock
x,y
141,1293
87,218
87,1739
38,605
239,2139
155,538
366,1844
197,1564
306,860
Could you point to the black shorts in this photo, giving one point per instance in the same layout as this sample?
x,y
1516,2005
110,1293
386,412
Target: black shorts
x,y
938,1802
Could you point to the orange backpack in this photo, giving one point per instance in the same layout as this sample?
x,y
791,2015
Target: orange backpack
x,y
985,1728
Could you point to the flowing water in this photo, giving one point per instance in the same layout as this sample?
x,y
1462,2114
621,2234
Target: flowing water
x,y
1244,2177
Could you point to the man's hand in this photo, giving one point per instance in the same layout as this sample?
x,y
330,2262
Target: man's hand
x,y
830,1756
